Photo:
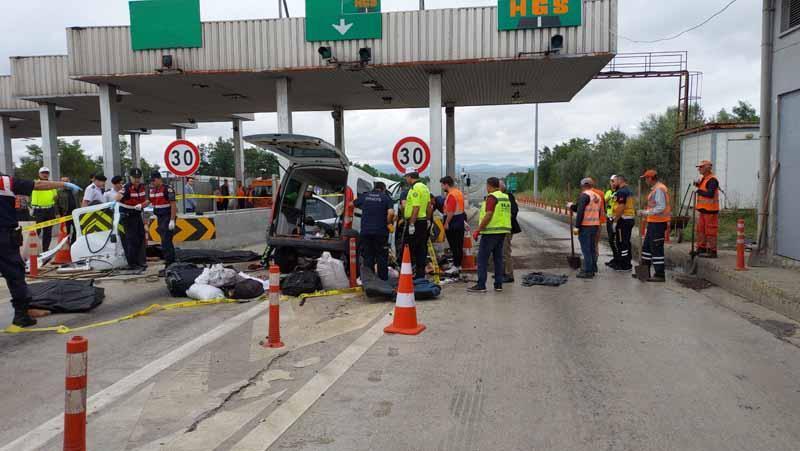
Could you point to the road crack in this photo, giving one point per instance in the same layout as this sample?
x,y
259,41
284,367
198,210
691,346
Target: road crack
x,y
230,396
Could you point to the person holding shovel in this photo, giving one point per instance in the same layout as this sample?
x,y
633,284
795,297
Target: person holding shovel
x,y
658,215
587,223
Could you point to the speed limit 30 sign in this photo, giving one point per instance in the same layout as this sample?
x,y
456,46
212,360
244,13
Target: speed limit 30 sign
x,y
182,158
411,153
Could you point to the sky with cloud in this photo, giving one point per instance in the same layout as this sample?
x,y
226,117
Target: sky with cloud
x,y
726,50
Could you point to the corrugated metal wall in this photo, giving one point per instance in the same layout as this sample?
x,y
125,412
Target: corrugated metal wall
x,y
45,76
279,44
7,99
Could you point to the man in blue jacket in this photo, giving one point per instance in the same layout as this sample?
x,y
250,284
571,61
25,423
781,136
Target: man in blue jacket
x,y
377,212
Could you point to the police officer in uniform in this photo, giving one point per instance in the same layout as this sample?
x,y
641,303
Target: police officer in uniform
x,y
162,198
377,212
11,265
133,199
415,214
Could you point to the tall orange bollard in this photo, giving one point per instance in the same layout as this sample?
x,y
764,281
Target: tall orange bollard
x,y
63,256
274,335
405,309
468,262
75,394
33,254
740,266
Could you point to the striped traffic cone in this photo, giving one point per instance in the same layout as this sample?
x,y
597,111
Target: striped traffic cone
x,y
468,262
405,310
63,256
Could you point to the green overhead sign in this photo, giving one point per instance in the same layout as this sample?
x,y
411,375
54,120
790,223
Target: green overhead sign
x,y
165,24
342,20
526,14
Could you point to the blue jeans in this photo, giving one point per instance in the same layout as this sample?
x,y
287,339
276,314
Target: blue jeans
x,y
588,237
491,244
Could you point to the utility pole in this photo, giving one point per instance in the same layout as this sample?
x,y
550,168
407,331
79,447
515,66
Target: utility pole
x,y
280,9
421,5
536,154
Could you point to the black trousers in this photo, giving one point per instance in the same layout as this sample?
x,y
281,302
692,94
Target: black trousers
x,y
455,238
375,251
624,232
167,248
42,215
13,270
418,245
612,241
133,240
653,248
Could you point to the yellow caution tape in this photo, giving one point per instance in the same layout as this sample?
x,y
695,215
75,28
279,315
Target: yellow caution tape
x,y
46,224
321,294
12,329
212,196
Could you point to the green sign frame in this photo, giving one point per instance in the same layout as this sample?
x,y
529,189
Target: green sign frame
x,y
165,24
343,20
535,14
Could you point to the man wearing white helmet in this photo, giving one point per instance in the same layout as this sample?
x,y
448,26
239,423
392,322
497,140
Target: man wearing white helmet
x,y
44,202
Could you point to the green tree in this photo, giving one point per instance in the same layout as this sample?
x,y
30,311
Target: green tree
x,y
73,162
742,112
378,173
217,160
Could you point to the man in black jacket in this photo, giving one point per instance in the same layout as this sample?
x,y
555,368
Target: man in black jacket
x,y
515,229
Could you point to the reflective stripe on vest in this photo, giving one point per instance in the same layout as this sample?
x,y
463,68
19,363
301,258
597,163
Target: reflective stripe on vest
x,y
664,216
459,197
708,203
158,197
7,186
136,195
591,213
501,218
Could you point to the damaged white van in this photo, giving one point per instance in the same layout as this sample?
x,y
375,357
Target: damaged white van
x,y
302,227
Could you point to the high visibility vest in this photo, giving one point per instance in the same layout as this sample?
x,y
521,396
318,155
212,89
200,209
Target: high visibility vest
x,y
44,198
710,204
158,197
611,203
418,196
135,195
459,197
664,216
501,218
591,213
600,194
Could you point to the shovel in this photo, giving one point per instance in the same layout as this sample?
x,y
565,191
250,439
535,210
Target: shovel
x,y
693,267
573,260
641,270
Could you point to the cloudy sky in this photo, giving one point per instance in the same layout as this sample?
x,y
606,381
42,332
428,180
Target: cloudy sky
x,y
726,50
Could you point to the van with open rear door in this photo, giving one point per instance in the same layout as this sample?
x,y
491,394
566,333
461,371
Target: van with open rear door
x,y
316,170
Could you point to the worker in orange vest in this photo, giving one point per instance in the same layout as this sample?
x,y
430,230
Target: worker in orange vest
x,y
707,205
589,209
603,220
658,214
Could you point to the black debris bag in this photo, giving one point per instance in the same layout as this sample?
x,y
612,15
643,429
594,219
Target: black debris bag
x,y
66,296
548,280
300,282
246,289
375,287
180,276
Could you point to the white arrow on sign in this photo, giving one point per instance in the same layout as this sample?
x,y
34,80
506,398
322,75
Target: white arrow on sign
x,y
343,27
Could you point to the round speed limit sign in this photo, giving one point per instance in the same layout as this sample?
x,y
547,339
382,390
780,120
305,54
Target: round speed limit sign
x,y
182,158
411,153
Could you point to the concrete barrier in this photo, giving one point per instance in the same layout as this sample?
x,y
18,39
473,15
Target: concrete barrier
x,y
235,229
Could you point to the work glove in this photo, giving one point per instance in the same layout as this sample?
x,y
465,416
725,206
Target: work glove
x,y
570,204
575,231
411,229
390,228
72,187
138,207
475,235
171,225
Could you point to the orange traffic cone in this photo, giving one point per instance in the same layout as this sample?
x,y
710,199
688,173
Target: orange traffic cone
x,y
63,256
468,261
33,254
405,309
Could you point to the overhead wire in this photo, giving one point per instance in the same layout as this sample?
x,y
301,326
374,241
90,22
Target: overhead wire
x,y
676,36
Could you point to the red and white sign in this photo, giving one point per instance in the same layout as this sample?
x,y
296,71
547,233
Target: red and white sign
x,y
411,153
182,158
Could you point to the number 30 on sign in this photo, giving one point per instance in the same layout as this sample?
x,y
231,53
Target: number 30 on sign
x,y
182,158
411,153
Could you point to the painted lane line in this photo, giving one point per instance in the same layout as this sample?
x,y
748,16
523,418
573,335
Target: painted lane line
x,y
46,432
282,418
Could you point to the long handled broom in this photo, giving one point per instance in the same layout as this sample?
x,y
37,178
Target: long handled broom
x,y
642,271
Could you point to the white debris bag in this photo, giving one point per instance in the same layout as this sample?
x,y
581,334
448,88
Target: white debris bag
x,y
217,276
243,276
331,271
202,292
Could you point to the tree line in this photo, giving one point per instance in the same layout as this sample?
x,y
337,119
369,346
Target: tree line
x,y
613,152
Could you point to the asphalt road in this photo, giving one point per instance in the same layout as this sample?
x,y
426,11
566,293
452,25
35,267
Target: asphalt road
x,y
608,364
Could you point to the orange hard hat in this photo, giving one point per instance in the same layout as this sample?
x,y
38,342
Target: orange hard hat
x,y
649,173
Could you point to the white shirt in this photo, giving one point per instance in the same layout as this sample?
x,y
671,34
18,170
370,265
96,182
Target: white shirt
x,y
111,195
93,194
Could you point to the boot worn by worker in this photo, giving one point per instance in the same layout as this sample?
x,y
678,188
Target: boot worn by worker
x,y
476,289
584,275
658,278
22,319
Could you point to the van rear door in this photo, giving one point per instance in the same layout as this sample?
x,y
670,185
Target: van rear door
x,y
300,149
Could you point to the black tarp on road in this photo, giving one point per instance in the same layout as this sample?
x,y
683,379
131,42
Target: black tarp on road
x,y
66,296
